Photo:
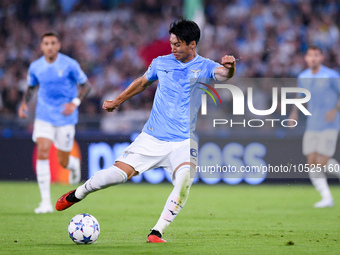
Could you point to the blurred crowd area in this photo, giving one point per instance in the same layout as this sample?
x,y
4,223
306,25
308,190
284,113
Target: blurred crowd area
x,y
115,40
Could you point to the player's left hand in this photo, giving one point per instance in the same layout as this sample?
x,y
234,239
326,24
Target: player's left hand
x,y
330,115
69,108
228,61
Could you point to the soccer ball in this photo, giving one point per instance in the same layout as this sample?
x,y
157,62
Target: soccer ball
x,y
83,229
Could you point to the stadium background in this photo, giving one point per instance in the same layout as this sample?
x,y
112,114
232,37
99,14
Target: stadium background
x,y
115,40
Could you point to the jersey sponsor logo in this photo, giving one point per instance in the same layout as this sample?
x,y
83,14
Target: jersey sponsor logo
x,y
196,72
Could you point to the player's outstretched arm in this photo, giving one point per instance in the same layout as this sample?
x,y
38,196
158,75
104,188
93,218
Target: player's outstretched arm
x,y
26,98
136,87
227,70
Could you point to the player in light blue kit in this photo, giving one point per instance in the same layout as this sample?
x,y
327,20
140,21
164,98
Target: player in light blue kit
x,y
165,140
57,77
319,140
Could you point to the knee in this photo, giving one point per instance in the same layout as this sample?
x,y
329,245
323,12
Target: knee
x,y
43,153
129,170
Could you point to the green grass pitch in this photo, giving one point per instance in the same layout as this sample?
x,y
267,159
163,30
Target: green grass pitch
x,y
219,219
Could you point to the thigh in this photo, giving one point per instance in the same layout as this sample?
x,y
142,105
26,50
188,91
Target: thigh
x,y
327,142
140,162
43,129
310,142
182,153
145,153
64,138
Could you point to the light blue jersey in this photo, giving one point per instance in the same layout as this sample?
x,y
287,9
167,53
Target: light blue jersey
x,y
57,86
177,94
324,87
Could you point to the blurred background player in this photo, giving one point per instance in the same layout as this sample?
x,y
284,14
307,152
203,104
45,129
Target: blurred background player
x,y
320,137
165,140
57,76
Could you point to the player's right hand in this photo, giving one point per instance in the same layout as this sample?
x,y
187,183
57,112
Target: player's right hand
x,y
23,110
109,105
228,61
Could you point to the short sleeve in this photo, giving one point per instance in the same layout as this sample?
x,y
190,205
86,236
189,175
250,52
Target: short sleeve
x,y
212,65
151,73
31,78
78,74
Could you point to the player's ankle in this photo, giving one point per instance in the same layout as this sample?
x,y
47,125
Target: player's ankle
x,y
72,198
155,232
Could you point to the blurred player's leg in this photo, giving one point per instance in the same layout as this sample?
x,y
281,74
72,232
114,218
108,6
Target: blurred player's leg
x,y
324,151
44,175
174,204
74,166
64,142
316,147
71,163
333,167
319,181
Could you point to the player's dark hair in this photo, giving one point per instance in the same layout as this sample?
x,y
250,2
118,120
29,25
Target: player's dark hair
x,y
314,47
50,33
185,30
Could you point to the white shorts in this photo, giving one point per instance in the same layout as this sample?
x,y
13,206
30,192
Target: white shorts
x,y
148,152
62,136
323,142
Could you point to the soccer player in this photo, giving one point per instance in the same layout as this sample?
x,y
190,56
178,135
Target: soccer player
x,y
166,140
56,115
321,134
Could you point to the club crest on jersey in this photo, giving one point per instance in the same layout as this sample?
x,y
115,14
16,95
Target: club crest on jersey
x,y
60,73
195,72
